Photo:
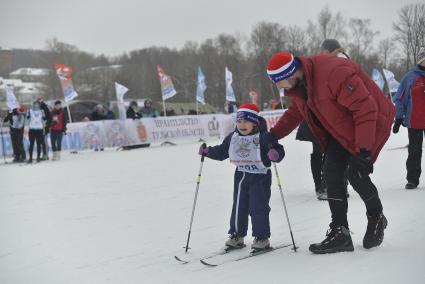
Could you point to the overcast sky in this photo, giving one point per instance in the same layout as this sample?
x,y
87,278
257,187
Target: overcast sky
x,y
112,26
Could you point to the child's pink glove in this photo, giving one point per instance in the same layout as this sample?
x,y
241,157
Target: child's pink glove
x,y
203,150
273,155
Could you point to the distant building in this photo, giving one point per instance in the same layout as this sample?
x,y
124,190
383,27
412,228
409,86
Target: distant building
x,y
30,74
25,92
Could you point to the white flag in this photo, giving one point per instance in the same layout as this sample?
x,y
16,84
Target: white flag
x,y
200,87
230,94
282,92
120,91
377,77
11,100
392,82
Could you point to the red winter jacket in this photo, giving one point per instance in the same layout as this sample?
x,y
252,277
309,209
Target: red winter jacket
x,y
343,101
58,120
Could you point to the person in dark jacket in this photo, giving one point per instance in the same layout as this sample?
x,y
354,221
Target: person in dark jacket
x,y
149,111
48,118
16,119
99,113
410,105
252,149
351,120
132,111
317,157
58,128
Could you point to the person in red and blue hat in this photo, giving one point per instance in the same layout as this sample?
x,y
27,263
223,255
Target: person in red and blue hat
x,y
351,120
252,149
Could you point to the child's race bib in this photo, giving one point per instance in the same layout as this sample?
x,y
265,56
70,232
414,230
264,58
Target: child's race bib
x,y
245,153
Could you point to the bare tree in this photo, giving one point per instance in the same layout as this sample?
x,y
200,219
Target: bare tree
x,y
362,36
386,48
296,40
266,39
410,30
328,25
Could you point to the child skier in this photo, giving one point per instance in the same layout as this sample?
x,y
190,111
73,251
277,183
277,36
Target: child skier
x,y
252,149
36,121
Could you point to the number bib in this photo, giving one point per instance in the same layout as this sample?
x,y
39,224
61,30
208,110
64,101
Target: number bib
x,y
36,121
245,153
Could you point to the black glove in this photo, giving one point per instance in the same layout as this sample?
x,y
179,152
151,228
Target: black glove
x,y
397,123
362,163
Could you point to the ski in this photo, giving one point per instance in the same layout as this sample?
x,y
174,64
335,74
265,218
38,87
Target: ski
x,y
251,254
211,255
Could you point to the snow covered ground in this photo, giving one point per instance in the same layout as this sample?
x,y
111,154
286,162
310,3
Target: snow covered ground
x,y
120,217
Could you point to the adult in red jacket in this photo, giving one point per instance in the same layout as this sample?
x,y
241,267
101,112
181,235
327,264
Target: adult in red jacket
x,y
351,120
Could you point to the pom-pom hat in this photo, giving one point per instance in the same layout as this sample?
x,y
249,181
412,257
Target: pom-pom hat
x,y
248,112
281,66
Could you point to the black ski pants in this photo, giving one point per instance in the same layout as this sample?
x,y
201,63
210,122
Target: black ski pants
x,y
336,164
413,163
35,135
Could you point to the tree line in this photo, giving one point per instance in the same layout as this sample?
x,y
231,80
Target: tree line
x,y
246,57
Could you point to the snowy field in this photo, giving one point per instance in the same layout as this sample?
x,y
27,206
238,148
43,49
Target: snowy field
x,y
120,217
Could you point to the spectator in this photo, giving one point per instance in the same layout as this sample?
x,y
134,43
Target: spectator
x,y
410,105
45,145
58,128
99,113
36,120
16,119
132,111
148,110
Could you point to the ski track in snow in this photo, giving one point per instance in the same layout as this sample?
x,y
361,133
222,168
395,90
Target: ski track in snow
x,y
121,216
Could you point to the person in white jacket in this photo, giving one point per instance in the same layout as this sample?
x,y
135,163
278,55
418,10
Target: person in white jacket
x,y
36,119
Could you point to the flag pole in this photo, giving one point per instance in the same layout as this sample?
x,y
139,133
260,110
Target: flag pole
x,y
69,111
163,106
197,107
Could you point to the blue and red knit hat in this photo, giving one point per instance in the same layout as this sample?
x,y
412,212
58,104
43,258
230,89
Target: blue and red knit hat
x,y
248,112
281,66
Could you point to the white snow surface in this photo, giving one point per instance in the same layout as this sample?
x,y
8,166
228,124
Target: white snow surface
x,y
121,216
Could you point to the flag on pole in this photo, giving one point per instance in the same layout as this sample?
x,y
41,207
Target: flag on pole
x,y
230,94
201,87
120,91
11,100
167,87
391,81
65,76
378,78
282,92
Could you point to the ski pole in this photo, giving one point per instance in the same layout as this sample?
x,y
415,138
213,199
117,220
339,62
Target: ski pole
x,y
284,206
198,181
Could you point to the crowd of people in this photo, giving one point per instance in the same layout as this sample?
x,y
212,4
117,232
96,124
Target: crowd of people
x,y
40,121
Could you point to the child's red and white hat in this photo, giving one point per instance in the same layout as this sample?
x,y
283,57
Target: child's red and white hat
x,y
281,66
248,112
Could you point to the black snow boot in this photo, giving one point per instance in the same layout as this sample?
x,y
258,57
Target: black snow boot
x,y
337,240
375,231
411,185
